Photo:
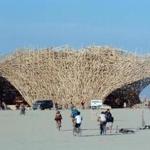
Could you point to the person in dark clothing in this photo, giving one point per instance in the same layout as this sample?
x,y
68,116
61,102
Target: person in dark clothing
x,y
109,117
58,118
56,106
109,120
82,104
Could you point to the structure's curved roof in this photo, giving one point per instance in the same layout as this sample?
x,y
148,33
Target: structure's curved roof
x,y
68,75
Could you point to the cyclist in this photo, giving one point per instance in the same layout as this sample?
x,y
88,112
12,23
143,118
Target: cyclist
x,y
74,112
77,123
58,118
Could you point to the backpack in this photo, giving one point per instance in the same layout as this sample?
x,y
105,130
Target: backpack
x,y
74,113
109,117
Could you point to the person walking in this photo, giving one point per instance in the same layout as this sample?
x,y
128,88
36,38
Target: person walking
x,y
102,120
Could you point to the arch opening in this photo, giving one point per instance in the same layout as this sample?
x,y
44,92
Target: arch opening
x,y
145,94
128,94
9,94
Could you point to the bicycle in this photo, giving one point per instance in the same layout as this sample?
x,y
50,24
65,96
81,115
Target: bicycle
x,y
58,125
76,130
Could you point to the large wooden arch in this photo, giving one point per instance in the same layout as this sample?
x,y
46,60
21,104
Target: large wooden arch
x,y
68,75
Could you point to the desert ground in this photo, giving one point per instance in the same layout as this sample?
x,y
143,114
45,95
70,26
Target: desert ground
x,y
37,131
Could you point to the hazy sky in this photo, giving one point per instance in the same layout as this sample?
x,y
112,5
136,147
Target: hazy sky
x,y
78,23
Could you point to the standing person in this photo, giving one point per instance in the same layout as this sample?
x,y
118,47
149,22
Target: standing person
x,y
109,116
71,105
109,120
4,106
22,109
66,106
124,105
82,104
17,106
58,118
56,106
102,120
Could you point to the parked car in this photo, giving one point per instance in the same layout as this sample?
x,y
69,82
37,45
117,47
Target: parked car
x,y
42,104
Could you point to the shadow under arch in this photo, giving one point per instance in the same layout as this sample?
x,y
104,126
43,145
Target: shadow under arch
x,y
9,94
129,93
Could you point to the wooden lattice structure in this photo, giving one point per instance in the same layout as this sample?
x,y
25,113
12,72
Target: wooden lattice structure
x,y
66,75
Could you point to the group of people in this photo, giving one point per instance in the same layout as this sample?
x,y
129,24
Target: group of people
x,y
68,106
76,119
105,119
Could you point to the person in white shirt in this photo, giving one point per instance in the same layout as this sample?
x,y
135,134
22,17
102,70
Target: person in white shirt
x,y
102,120
78,120
77,124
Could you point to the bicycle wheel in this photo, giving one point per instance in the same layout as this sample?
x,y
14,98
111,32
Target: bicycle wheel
x,y
74,131
79,131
